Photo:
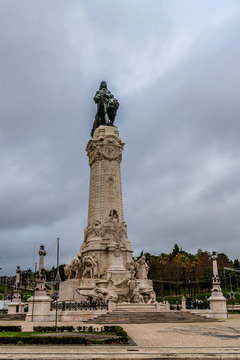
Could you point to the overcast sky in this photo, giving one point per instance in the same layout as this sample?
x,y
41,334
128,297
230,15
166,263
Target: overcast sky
x,y
174,67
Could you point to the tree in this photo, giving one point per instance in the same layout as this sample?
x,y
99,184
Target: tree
x,y
175,251
236,264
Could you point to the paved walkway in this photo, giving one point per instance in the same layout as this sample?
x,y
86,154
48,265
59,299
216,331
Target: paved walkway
x,y
220,340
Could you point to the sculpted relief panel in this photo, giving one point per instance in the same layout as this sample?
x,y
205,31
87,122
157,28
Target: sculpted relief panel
x,y
118,283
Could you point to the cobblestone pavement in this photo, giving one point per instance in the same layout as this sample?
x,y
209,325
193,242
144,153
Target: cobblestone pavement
x,y
220,340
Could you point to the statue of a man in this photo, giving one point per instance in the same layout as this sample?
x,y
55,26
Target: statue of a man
x,y
107,107
142,268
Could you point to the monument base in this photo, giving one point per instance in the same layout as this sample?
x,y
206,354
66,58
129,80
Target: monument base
x,y
104,270
117,287
218,305
39,309
16,307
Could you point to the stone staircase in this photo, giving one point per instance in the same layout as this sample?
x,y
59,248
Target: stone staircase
x,y
146,314
130,307
7,317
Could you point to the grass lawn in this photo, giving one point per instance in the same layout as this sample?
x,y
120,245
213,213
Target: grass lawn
x,y
13,334
59,338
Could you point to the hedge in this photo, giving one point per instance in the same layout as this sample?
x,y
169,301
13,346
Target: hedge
x,y
10,328
120,340
59,340
44,340
53,328
118,330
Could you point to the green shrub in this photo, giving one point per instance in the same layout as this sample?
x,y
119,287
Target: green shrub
x,y
44,329
53,328
119,331
58,340
44,340
10,328
120,340
109,329
65,328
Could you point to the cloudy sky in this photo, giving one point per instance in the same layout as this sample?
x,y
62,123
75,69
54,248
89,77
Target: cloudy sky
x,y
174,67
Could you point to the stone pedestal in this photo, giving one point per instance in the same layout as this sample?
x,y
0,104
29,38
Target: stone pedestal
x,y
218,305
183,303
67,289
16,307
39,309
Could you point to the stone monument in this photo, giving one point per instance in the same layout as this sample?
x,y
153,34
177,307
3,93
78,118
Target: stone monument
x,y
104,269
17,305
17,296
39,303
218,303
40,287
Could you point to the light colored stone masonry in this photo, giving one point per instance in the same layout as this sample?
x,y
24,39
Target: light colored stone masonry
x,y
105,155
104,269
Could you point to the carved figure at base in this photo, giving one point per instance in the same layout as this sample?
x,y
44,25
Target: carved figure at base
x,y
137,298
107,107
152,298
123,232
91,296
113,298
132,267
97,228
101,294
79,266
128,291
142,268
113,215
122,299
115,255
95,267
90,267
74,269
70,269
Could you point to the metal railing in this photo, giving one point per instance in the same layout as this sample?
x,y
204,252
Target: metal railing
x,y
74,306
197,305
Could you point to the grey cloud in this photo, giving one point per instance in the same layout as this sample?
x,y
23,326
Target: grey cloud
x,y
174,66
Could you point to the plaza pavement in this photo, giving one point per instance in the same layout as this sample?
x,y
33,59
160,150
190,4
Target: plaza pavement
x,y
213,340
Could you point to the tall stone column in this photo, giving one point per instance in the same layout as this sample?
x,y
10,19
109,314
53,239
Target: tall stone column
x,y
106,228
218,303
215,279
41,253
105,155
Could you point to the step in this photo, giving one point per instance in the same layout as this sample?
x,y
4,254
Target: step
x,y
135,307
12,317
148,317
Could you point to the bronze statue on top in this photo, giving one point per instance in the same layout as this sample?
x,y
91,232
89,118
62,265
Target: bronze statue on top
x,y
107,107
